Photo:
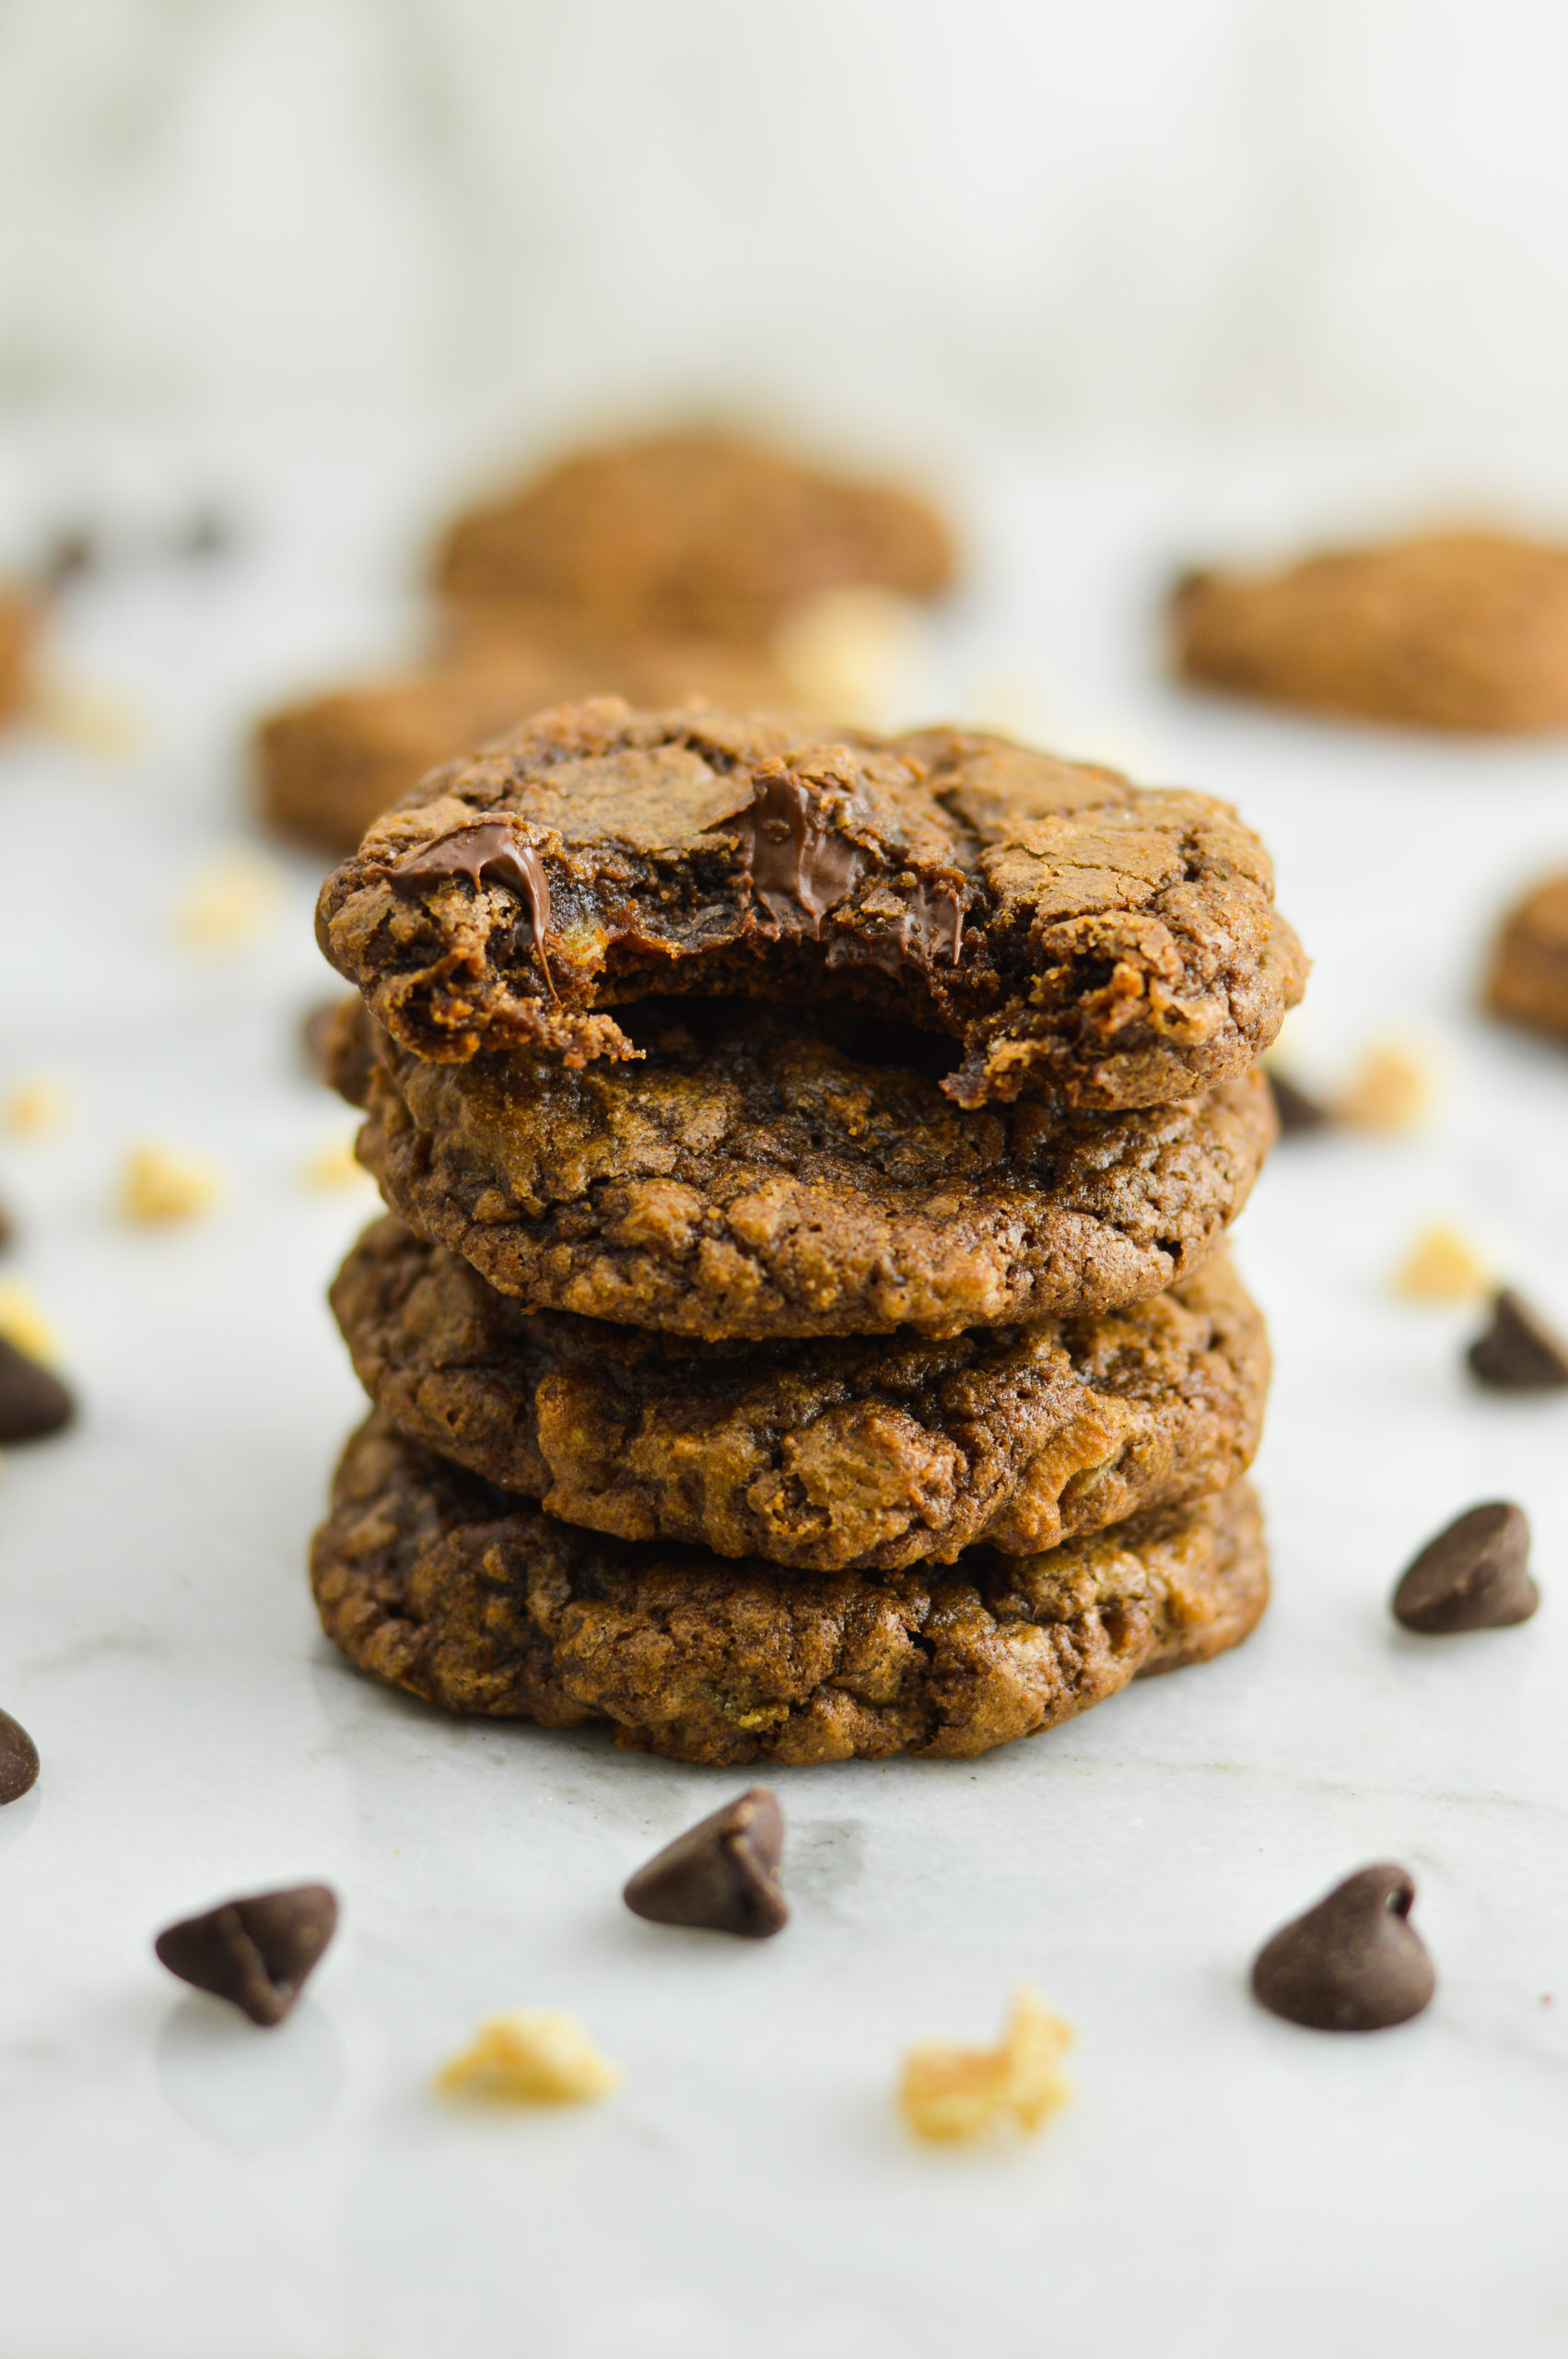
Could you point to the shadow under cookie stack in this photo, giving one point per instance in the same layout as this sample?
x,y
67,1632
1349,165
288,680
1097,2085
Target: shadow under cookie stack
x,y
801,1327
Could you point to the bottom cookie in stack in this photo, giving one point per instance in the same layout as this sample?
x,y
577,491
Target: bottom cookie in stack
x,y
470,1596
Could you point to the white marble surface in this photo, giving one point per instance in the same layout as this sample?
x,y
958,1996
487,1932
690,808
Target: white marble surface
x,y
174,2185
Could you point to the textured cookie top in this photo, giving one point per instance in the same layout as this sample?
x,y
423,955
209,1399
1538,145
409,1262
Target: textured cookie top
x,y
702,534
749,1175
1462,630
871,1453
1070,934
472,1598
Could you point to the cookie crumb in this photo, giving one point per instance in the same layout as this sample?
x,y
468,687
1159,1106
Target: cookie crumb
x,y
24,1324
949,2093
38,1106
1441,1266
847,651
91,720
230,902
1391,1090
334,1166
531,2056
160,1184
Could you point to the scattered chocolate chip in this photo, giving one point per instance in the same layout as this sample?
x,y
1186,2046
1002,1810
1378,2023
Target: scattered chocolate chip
x,y
721,1873
1296,1110
1473,1575
204,534
1351,1964
1519,1353
18,1760
33,1403
256,1951
72,551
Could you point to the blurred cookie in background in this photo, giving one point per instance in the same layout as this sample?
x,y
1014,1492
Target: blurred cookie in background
x,y
696,535
327,767
1527,982
1460,629
19,620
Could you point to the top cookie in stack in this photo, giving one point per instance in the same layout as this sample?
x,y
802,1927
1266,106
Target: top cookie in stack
x,y
692,1043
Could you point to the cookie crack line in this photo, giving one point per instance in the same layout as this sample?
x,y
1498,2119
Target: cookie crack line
x,y
1075,935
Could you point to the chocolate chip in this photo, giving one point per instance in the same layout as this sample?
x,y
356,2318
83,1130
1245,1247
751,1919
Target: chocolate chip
x,y
1473,1575
18,1760
1519,1353
1351,1964
33,1403
720,1873
256,1951
1296,1110
73,550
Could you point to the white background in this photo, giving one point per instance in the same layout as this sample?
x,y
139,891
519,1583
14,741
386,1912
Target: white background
x,y
1141,281
497,214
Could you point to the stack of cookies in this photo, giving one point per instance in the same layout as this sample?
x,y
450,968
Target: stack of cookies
x,y
803,1327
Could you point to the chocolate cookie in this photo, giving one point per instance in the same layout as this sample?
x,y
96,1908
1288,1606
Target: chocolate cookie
x,y
748,1176
438,1582
1071,933
326,768
1527,979
873,1453
1450,631
698,535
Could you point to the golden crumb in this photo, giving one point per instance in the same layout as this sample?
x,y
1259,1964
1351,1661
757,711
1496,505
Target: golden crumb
x,y
1442,1266
952,2092
24,1324
847,653
161,1184
1391,1089
531,2056
334,1166
230,902
92,719
37,1106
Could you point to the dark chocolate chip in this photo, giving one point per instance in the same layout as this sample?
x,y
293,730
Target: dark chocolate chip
x,y
721,1873
1473,1575
1351,1964
33,1403
204,534
1296,1110
257,1951
18,1760
1519,1353
73,551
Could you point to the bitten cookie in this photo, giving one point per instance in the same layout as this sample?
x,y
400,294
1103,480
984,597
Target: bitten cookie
x,y
438,1583
1464,630
749,1177
868,1453
1069,933
699,536
1527,979
326,768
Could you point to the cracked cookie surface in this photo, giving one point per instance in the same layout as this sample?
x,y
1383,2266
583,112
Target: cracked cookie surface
x,y
1069,935
875,1453
749,1177
438,1583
